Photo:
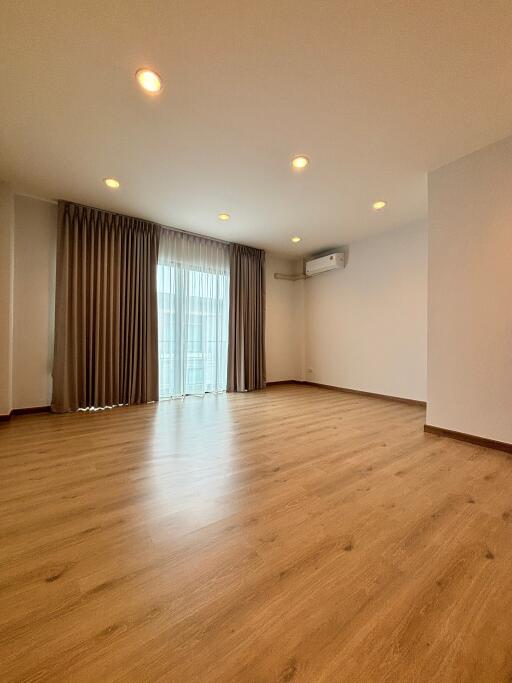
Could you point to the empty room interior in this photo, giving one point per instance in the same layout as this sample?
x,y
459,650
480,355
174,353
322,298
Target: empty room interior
x,y
256,341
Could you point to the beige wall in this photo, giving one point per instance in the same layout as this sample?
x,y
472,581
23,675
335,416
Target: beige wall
x,y
6,296
35,237
283,325
470,294
365,325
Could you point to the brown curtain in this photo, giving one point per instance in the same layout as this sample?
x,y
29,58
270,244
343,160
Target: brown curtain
x,y
106,338
246,346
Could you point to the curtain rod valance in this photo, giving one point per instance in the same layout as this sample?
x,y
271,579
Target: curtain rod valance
x,y
196,234
144,220
103,219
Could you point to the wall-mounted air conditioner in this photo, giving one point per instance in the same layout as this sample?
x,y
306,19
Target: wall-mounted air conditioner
x,y
325,263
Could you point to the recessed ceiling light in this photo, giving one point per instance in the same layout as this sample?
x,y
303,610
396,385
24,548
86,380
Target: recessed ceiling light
x,y
296,239
149,80
300,162
224,216
112,183
377,206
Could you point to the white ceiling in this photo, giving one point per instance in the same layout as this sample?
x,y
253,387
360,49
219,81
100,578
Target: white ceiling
x,y
375,92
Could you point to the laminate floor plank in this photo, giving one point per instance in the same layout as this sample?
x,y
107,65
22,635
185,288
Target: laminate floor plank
x,y
293,534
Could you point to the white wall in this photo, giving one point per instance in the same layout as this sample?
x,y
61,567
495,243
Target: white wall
x,y
362,328
6,296
470,294
283,324
35,236
366,325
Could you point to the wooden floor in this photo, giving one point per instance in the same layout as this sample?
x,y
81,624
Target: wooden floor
x,y
293,534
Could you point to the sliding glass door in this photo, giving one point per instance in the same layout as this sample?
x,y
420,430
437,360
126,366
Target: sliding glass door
x,y
193,314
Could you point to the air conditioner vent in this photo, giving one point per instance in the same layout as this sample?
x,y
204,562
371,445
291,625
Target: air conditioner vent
x,y
325,263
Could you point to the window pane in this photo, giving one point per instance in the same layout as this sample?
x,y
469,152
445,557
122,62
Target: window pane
x,y
193,310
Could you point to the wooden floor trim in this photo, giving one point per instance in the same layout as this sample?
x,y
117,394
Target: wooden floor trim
x,y
371,394
470,438
30,411
47,409
25,411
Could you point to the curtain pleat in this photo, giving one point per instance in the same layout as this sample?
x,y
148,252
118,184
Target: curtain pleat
x,y
106,339
246,348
